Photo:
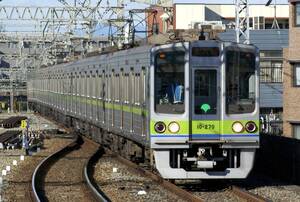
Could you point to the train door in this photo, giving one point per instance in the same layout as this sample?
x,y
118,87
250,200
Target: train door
x,y
104,90
102,96
205,107
131,102
122,97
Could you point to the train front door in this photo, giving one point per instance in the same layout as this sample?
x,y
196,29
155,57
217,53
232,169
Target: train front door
x,y
205,104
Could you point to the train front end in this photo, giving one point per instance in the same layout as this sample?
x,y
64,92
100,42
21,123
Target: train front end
x,y
204,109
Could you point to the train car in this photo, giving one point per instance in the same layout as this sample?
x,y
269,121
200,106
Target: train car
x,y
193,107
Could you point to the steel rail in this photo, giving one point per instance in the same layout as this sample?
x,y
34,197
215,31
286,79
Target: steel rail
x,y
40,169
88,169
164,183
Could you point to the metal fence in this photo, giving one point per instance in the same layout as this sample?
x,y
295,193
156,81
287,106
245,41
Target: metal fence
x,y
271,124
271,74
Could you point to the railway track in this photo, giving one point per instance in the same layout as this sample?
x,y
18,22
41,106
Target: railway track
x,y
246,195
12,122
64,176
220,191
8,137
130,179
235,192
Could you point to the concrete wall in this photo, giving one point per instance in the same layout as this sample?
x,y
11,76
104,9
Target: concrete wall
x,y
188,13
228,11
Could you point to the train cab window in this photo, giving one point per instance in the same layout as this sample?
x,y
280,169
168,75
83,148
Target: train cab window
x,y
205,92
169,82
240,82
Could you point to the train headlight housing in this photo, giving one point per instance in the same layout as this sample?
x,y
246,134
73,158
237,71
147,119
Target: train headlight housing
x,y
160,127
250,127
174,127
237,127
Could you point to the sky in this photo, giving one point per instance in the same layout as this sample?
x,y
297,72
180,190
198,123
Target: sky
x,y
56,3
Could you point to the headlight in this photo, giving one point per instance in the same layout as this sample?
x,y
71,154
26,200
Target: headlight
x,y
173,127
160,127
237,127
251,127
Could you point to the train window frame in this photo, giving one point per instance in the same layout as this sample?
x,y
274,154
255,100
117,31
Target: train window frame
x,y
83,87
117,87
238,104
132,89
137,89
77,81
101,85
164,95
71,83
94,86
126,88
143,86
88,89
207,105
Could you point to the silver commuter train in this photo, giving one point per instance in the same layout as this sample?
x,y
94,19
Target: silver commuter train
x,y
194,104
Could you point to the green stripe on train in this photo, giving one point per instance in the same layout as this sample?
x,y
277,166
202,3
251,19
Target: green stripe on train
x,y
97,102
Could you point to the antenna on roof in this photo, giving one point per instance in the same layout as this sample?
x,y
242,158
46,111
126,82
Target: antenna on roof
x,y
275,22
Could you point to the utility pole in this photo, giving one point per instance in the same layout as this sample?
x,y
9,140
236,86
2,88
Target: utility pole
x,y
242,21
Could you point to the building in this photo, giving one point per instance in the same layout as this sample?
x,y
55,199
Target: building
x,y
190,15
291,76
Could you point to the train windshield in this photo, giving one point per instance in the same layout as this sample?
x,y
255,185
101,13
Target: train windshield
x,y
169,82
240,82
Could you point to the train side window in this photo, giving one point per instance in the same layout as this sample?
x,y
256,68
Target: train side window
x,y
81,79
109,87
93,86
121,86
79,84
57,83
60,83
137,89
75,83
61,87
143,87
85,85
131,89
100,85
126,88
117,88
85,81
71,84
88,89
